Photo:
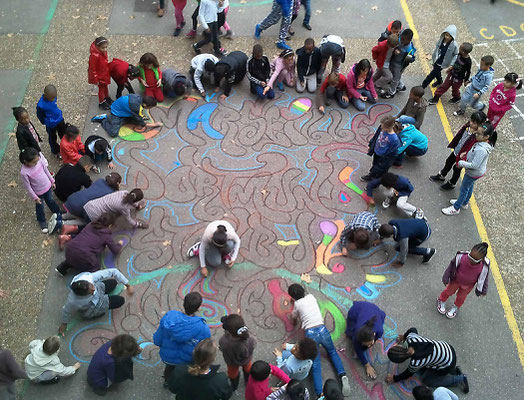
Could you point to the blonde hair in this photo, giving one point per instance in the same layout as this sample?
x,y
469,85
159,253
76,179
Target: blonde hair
x,y
333,78
203,355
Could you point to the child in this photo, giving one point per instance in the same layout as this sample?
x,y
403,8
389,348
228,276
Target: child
x,y
179,15
414,143
202,65
151,76
402,56
237,347
232,68
456,75
360,87
296,359
98,71
257,387
383,147
208,16
38,182
381,54
398,187
283,68
71,146
475,165
281,10
70,178
415,109
357,234
462,137
444,55
305,308
334,87
122,73
10,371
98,149
50,115
503,97
478,86
466,271
176,84
43,365
393,28
308,66
332,46
26,134
294,390
422,392
258,73
194,20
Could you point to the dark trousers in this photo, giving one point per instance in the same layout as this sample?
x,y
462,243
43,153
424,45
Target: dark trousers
x,y
259,91
211,37
162,3
53,134
48,199
452,82
221,19
114,301
194,18
120,89
410,151
413,247
451,163
168,370
434,74
381,165
333,93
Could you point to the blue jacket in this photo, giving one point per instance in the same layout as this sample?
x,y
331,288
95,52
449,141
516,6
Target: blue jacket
x,y
481,81
127,106
387,144
410,228
75,202
403,186
411,136
177,336
48,112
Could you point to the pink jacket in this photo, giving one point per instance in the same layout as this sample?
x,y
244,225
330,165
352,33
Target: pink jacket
x,y
500,101
259,390
351,83
37,180
277,66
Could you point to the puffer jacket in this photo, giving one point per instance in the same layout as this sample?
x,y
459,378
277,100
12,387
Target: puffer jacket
x,y
98,71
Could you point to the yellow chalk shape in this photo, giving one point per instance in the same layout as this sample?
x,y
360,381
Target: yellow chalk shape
x,y
288,242
322,269
375,278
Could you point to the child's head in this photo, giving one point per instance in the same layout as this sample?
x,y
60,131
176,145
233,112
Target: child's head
x,y
101,43
260,370
50,92
149,60
389,180
104,221
29,156
387,123
21,115
180,88
296,291
296,390
485,132
447,37
133,72
288,56
366,334
422,392
416,93
71,132
332,390
397,128
309,45
392,40
477,119
204,355
486,62
101,146
386,230
258,51
113,180
192,302
82,288
333,79
51,345
398,354
133,196
395,28
86,163
465,48
148,102
235,325
511,80
220,72
361,238
209,65
124,346
406,36
220,236
305,349
363,66
478,252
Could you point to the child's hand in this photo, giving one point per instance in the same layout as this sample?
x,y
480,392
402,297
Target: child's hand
x,y
38,201
345,99
476,96
217,89
223,97
401,339
277,353
322,109
344,251
397,52
292,82
62,329
266,89
130,290
208,31
274,389
76,366
203,94
449,69
159,83
53,186
376,242
363,98
389,379
111,165
283,346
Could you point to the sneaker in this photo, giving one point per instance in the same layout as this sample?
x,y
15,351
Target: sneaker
x,y
465,383
432,101
452,312
95,169
62,268
441,306
104,106
177,32
196,49
229,34
428,256
387,95
454,100
221,52
459,112
436,84
191,34
418,214
464,206
365,178
258,31
402,89
52,223
307,26
283,46
56,379
437,178
447,186
280,86
194,250
226,258
346,390
386,203
98,118
43,227
450,211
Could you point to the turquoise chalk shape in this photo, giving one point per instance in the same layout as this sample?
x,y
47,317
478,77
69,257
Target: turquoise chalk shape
x,y
202,115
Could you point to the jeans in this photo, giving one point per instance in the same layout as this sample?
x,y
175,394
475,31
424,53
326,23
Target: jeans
x,y
358,103
53,138
434,74
404,119
466,190
47,197
467,98
259,91
307,6
321,335
214,254
333,93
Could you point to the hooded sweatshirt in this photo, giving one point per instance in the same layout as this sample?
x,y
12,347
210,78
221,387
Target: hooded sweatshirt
x,y
38,362
411,136
171,79
211,386
98,71
177,336
451,51
352,83
481,81
477,160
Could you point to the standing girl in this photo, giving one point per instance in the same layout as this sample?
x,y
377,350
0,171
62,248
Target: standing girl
x,y
38,182
283,68
98,71
71,146
468,270
151,76
503,97
237,347
26,134
179,15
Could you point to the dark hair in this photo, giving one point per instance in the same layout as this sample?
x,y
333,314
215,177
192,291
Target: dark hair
x,y
220,236
133,71
396,24
387,122
209,65
133,196
307,348
113,180
148,101
71,132
101,145
124,346
393,40
80,288
332,390
260,370
85,161
398,354
361,238
468,47
389,180
258,49
296,291
180,88
51,345
386,230
235,325
220,72
422,392
488,60
366,332
488,129
482,248
361,66
296,390
309,41
18,111
418,91
286,53
100,40
149,58
50,90
479,117
28,154
513,78
104,221
407,33
192,302
204,354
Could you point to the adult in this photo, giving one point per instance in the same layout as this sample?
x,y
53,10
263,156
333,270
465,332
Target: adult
x,y
112,363
71,178
360,86
232,68
83,252
201,380
179,332
360,233
202,66
127,110
89,295
121,203
175,84
434,360
219,243
10,371
365,325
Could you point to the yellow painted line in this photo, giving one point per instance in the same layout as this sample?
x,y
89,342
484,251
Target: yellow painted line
x,y
495,271
519,3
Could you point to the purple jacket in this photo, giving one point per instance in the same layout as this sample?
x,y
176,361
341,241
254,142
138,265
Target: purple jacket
x,y
482,280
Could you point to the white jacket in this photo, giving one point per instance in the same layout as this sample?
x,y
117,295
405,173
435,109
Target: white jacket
x,y
38,362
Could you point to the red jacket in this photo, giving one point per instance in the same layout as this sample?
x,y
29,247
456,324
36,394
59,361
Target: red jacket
x,y
340,86
118,71
70,151
98,71
379,53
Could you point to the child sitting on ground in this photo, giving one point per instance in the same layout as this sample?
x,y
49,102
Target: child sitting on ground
x,y
151,76
415,108
296,359
50,115
503,97
478,86
294,390
71,146
259,72
414,143
122,73
98,149
283,68
43,366
176,84
360,87
257,387
444,55
334,87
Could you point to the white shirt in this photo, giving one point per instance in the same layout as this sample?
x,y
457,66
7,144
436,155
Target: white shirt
x,y
308,311
197,63
225,5
207,12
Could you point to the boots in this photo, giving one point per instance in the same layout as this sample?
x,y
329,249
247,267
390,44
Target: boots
x,y
62,240
234,382
69,229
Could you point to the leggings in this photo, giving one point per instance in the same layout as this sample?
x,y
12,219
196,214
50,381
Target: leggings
x,y
179,12
194,18
103,93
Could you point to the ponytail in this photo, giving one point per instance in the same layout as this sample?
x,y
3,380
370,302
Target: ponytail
x,y
203,355
133,196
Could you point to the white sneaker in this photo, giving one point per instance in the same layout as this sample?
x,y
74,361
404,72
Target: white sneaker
x,y
418,214
464,206
452,312
193,250
346,390
95,169
386,203
450,211
441,306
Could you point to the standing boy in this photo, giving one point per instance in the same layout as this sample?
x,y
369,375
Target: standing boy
x,y
50,115
403,55
444,55
478,86
281,10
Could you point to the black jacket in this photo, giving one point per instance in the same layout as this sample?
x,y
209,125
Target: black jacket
x,y
308,64
212,386
94,138
70,179
258,70
235,63
24,138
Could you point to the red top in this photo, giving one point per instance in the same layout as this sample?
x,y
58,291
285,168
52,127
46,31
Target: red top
x,y
340,86
98,71
259,390
467,272
70,150
151,80
118,70
379,53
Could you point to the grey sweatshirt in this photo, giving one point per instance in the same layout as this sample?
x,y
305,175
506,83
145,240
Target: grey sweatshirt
x,y
207,240
477,159
452,50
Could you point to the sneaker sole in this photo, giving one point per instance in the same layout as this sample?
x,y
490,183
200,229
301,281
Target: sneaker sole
x,y
451,317
439,310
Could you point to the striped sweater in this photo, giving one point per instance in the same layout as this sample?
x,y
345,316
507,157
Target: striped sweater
x,y
111,203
